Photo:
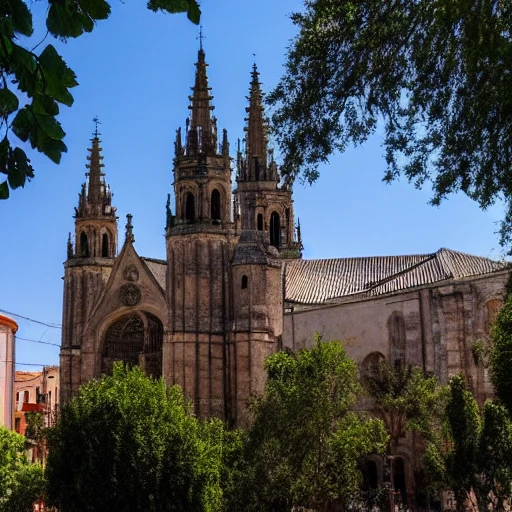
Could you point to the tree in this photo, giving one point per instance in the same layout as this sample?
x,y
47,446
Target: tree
x,y
42,81
406,398
495,457
435,73
452,460
305,445
21,483
501,354
128,443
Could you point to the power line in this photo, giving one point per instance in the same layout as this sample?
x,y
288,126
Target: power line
x,y
55,326
37,341
28,364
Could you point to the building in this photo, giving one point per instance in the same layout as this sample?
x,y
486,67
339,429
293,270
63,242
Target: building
x,y
234,289
8,328
36,392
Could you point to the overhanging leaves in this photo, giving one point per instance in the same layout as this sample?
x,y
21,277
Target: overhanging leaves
x,y
436,73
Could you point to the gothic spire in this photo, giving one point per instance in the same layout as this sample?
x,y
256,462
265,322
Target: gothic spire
x,y
95,198
256,130
201,136
96,181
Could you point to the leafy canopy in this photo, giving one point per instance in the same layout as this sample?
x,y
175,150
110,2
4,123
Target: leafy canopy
x,y
435,73
21,482
33,86
501,354
128,443
305,444
472,452
406,398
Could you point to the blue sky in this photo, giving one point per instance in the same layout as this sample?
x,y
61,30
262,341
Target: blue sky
x,y
135,71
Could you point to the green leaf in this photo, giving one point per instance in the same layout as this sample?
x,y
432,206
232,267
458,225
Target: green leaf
x,y
51,126
4,154
8,102
4,190
57,75
53,149
194,12
44,105
25,66
21,17
72,19
24,123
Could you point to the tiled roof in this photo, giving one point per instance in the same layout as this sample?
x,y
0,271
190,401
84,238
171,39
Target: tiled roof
x,y
318,281
158,268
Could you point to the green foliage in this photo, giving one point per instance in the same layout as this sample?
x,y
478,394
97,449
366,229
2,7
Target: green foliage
x,y
501,355
127,443
495,456
304,446
32,86
434,72
21,483
452,460
35,425
406,398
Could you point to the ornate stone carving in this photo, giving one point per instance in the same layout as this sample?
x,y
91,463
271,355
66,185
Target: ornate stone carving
x,y
129,295
131,273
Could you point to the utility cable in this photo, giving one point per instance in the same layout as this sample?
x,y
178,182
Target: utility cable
x,y
55,326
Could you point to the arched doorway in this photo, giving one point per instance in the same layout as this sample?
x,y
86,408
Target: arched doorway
x,y
275,230
135,339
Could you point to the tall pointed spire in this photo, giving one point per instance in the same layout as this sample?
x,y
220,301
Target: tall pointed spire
x,y
256,145
201,133
95,198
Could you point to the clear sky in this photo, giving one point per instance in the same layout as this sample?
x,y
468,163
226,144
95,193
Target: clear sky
x,y
135,71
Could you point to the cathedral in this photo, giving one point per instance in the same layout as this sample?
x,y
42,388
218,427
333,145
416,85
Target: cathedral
x,y
234,287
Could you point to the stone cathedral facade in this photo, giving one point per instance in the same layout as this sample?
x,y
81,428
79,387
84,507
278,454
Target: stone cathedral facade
x,y
234,288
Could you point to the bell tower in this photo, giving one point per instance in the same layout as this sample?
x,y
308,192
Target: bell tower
x,y
265,205
89,263
199,241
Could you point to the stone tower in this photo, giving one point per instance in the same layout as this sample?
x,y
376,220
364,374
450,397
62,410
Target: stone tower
x,y
263,203
88,265
199,241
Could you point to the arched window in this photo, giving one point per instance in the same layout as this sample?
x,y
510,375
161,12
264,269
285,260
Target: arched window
x,y
84,245
259,222
371,475
104,245
493,308
399,478
275,230
189,207
396,328
245,282
370,367
215,205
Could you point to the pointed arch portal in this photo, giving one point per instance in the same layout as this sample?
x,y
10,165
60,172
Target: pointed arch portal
x,y
135,339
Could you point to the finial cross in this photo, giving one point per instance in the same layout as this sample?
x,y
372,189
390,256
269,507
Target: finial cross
x,y
201,37
96,121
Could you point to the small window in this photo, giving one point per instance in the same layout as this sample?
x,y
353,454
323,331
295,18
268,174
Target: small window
x,y
275,230
260,222
104,245
17,425
215,205
84,245
25,396
245,282
18,396
189,207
